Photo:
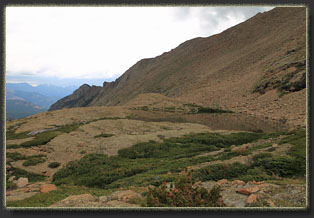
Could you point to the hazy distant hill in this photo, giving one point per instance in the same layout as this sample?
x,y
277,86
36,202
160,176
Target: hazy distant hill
x,y
24,99
16,109
44,89
255,67
34,97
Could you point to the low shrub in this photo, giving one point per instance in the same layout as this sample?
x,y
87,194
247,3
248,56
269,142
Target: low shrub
x,y
34,160
32,177
221,171
104,135
53,165
41,139
182,193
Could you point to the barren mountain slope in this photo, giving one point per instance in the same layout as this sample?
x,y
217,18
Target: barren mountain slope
x,y
256,67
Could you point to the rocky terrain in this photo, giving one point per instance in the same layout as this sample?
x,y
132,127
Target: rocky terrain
x,y
110,146
255,67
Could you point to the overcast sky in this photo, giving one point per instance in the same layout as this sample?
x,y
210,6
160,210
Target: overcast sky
x,y
96,44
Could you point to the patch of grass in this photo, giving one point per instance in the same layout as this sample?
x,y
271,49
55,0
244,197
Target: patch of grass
x,y
62,192
41,139
53,165
10,185
32,177
103,135
152,163
68,128
15,156
34,160
201,109
13,146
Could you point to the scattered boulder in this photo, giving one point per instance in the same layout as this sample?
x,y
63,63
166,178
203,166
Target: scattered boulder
x,y
221,182
251,199
11,178
243,191
238,182
21,182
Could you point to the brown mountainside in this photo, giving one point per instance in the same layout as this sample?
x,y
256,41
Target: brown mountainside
x,y
256,67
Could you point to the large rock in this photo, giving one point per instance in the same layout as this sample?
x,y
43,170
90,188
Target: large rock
x,y
21,182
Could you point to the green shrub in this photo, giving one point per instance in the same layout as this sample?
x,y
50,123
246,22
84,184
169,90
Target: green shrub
x,y
10,185
32,177
34,160
53,165
13,146
220,171
182,193
104,135
41,139
15,156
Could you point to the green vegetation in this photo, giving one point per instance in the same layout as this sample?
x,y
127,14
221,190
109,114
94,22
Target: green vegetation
x,y
13,146
182,193
104,135
15,156
41,139
149,163
201,109
30,160
10,133
265,166
32,177
34,160
53,165
46,199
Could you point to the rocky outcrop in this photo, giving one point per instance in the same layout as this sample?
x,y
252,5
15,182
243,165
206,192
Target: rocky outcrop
x,y
80,98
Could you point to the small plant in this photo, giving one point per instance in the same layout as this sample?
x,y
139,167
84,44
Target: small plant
x,y
53,165
82,152
104,135
184,194
34,160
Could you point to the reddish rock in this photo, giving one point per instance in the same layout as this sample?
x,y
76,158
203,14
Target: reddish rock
x,y
8,194
243,191
253,189
251,199
21,182
248,191
222,181
47,188
238,182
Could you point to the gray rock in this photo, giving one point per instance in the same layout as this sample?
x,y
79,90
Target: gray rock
x,y
21,182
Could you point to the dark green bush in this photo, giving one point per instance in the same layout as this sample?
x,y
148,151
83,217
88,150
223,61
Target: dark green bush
x,y
104,135
220,171
34,160
182,193
40,139
53,165
32,177
15,156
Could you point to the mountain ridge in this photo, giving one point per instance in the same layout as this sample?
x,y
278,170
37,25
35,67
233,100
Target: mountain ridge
x,y
215,70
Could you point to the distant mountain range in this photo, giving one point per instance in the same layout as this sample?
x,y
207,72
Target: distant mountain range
x,y
24,100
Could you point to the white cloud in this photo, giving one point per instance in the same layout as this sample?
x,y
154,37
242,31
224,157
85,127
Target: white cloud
x,y
103,42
